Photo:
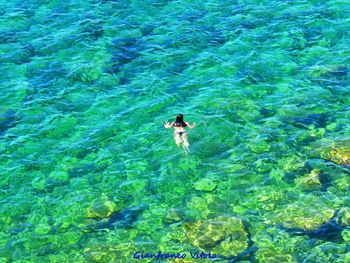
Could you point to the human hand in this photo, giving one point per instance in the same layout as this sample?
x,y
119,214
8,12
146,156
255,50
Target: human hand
x,y
167,124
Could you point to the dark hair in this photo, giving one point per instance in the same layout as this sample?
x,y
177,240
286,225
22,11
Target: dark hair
x,y
179,118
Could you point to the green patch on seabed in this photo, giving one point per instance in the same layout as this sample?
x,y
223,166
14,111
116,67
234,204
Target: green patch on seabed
x,y
89,174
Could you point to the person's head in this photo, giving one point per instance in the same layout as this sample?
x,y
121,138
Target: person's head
x,y
180,118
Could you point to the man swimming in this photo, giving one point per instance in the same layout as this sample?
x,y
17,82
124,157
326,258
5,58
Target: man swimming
x,y
180,134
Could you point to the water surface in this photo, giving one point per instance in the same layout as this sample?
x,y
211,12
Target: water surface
x,y
89,174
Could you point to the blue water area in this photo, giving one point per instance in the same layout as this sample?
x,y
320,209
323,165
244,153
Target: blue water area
x,y
89,173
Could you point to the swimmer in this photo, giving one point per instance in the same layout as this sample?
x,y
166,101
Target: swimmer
x,y
180,134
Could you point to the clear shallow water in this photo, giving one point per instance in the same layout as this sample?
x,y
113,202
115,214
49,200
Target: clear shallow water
x,y
89,174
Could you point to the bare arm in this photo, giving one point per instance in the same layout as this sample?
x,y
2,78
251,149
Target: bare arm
x,y
168,125
190,126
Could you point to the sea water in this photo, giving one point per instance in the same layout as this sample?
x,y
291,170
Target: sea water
x,y
88,173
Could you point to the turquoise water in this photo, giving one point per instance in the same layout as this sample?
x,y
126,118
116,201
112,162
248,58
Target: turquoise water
x,y
89,174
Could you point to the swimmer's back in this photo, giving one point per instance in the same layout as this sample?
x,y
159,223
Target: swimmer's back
x,y
179,124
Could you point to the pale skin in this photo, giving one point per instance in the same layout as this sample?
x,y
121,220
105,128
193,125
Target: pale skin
x,y
177,131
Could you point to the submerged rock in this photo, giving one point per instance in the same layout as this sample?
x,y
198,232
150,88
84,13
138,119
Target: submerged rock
x,y
307,213
224,236
87,73
335,71
329,231
318,119
340,153
173,216
266,112
344,213
84,169
101,209
55,179
337,151
292,163
260,146
205,184
122,219
316,178
101,253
